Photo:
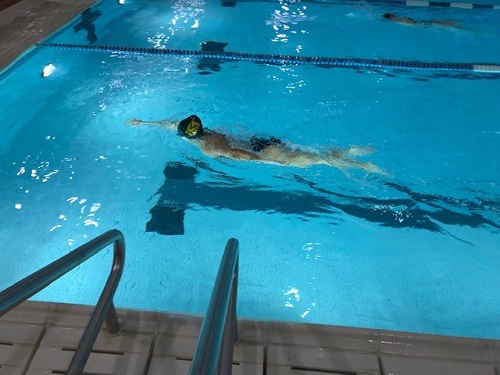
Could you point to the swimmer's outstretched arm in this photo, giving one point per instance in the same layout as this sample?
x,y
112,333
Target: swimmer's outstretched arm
x,y
222,150
239,154
167,124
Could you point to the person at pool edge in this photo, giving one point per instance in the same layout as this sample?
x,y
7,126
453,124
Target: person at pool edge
x,y
265,150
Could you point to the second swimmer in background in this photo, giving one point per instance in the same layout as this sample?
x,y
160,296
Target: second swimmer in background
x,y
453,24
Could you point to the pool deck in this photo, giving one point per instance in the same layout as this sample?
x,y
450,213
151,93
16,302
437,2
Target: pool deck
x,y
25,23
40,338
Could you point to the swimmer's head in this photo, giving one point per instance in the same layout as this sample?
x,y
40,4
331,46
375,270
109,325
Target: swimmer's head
x,y
389,16
190,127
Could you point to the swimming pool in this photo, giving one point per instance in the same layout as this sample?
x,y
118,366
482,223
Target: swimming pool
x,y
414,250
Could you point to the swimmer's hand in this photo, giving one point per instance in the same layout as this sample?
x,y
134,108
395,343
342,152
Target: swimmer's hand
x,y
166,124
134,122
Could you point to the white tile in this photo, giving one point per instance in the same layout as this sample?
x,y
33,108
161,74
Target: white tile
x,y
128,342
431,346
254,331
183,325
287,370
128,364
68,315
39,372
11,370
48,358
69,337
431,350
495,348
322,359
62,337
247,369
278,370
29,312
418,366
167,365
184,347
161,365
15,354
248,353
321,336
312,372
19,333
175,346
71,315
142,321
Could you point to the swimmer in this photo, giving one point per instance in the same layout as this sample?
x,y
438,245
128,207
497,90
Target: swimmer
x,y
410,21
264,150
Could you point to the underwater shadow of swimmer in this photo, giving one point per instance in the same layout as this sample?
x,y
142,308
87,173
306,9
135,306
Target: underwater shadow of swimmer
x,y
180,191
88,17
415,211
207,65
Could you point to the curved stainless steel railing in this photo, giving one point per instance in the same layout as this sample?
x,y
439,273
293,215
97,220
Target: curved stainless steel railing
x,y
104,310
214,351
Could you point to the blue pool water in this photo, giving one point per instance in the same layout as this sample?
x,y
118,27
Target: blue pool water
x,y
414,250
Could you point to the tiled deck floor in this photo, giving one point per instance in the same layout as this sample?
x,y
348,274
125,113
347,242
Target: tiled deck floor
x,y
40,338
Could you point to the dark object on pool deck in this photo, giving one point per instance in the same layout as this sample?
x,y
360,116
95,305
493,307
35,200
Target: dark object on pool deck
x,y
211,63
88,17
167,216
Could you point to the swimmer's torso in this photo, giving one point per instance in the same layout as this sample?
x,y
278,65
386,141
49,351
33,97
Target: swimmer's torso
x,y
212,143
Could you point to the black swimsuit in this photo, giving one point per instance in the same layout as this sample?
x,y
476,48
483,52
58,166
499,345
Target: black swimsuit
x,y
258,144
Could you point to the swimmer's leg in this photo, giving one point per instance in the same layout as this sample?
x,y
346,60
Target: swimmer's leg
x,y
337,158
454,24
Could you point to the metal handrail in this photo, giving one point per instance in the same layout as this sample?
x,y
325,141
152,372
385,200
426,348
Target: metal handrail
x,y
214,351
104,310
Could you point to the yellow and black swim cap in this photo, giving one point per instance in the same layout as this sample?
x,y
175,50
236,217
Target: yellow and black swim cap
x,y
190,127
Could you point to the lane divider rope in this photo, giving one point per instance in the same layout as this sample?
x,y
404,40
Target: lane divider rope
x,y
289,59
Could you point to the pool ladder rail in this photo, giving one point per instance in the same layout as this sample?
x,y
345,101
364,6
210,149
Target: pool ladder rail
x,y
214,350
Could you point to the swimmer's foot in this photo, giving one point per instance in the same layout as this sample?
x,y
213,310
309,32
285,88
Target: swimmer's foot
x,y
455,24
372,168
339,160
